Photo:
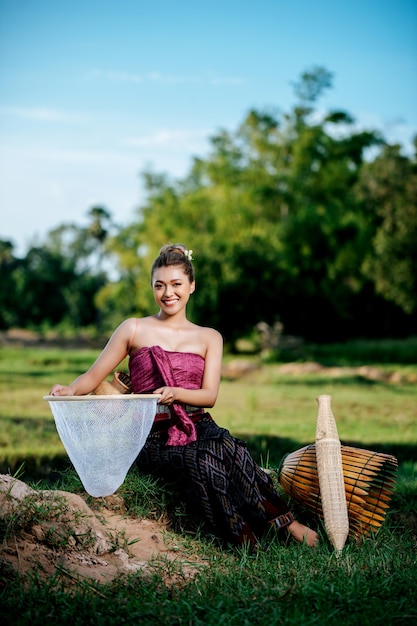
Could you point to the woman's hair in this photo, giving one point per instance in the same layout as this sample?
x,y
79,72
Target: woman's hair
x,y
174,254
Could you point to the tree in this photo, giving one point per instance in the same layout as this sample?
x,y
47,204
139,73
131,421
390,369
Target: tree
x,y
57,281
311,85
98,231
388,188
8,296
277,225
40,282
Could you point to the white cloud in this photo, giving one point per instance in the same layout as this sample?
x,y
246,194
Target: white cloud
x,y
40,114
46,156
226,80
88,157
119,76
210,78
178,139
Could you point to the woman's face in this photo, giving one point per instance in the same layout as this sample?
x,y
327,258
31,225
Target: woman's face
x,y
171,288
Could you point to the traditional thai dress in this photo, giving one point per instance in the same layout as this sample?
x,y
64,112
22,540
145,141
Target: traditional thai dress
x,y
229,489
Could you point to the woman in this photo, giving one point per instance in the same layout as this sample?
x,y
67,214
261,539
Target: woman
x,y
171,356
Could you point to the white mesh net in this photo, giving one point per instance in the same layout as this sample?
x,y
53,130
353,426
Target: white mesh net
x,y
103,435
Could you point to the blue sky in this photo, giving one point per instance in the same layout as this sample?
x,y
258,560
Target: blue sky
x,y
93,92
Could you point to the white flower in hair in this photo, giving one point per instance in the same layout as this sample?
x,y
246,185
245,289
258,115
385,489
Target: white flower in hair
x,y
189,254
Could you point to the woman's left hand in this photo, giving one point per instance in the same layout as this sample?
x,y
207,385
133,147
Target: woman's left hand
x,y
167,395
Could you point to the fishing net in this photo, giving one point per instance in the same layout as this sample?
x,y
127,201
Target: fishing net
x,y
103,435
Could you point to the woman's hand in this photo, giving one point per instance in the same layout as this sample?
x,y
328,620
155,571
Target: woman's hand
x,y
61,390
167,395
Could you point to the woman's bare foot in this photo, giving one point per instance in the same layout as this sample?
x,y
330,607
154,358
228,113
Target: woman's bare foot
x,y
303,534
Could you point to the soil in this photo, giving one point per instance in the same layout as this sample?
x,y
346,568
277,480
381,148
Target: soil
x,y
57,532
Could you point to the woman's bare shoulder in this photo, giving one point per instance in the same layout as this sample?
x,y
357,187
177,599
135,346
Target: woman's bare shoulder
x,y
131,328
138,322
210,334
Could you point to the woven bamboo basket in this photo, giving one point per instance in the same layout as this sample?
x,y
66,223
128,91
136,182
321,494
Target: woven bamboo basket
x,y
120,383
369,480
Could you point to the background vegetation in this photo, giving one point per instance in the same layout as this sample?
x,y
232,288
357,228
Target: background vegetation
x,y
298,217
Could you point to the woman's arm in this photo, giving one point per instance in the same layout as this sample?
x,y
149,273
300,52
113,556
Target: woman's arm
x,y
206,396
113,353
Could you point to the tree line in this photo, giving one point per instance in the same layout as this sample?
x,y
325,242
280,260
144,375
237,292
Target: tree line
x,y
294,217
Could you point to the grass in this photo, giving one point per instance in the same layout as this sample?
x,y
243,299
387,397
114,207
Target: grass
x,y
371,583
269,408
28,433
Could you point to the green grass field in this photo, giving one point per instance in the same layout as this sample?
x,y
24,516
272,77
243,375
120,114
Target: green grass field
x,y
371,583
276,412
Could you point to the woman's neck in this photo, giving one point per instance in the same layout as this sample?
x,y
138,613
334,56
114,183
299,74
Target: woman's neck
x,y
177,321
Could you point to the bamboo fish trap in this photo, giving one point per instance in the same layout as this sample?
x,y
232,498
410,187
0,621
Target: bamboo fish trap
x,y
330,475
369,479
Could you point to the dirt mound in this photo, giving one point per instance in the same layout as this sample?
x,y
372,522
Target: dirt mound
x,y
56,531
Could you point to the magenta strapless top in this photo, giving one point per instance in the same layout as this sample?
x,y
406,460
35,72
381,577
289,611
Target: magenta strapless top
x,y
153,367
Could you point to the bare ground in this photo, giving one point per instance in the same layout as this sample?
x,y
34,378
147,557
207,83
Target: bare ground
x,y
57,532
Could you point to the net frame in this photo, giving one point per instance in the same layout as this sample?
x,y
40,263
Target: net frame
x,y
103,435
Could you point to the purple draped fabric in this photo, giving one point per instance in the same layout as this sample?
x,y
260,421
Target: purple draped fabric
x,y
151,368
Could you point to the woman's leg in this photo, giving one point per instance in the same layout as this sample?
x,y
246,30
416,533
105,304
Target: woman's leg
x,y
230,490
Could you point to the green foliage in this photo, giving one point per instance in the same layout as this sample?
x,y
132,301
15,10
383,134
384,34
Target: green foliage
x,y
312,84
56,282
388,186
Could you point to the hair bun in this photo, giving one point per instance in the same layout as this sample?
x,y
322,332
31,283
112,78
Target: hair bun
x,y
177,248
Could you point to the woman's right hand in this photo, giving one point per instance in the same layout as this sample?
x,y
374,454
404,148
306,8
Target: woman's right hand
x,y
61,390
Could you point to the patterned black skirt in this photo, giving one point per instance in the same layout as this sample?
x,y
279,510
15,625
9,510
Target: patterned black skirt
x,y
227,487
